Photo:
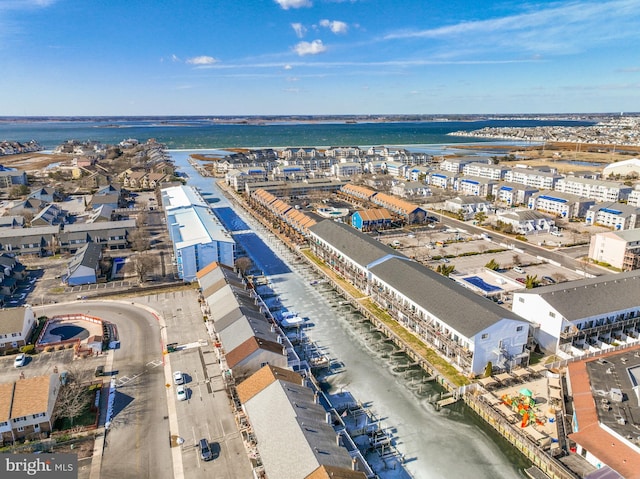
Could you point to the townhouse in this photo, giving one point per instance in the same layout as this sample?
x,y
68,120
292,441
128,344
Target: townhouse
x,y
526,222
583,316
468,206
371,219
466,329
16,326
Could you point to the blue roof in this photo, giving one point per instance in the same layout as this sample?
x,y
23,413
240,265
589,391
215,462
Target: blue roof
x,y
473,182
552,198
506,188
612,211
439,175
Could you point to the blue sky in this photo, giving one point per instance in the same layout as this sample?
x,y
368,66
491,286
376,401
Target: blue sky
x,y
260,57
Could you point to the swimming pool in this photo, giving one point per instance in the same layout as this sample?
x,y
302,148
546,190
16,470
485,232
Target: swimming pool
x,y
478,282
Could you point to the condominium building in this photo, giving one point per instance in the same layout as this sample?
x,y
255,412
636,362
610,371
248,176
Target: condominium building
x,y
598,190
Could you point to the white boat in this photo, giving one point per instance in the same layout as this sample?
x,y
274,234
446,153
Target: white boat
x,y
290,320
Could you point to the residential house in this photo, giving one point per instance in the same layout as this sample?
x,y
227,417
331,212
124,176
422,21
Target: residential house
x,y
615,215
48,194
525,222
441,179
16,326
39,240
50,215
84,267
112,235
12,221
10,178
27,406
620,249
238,178
410,189
468,206
357,192
409,212
371,219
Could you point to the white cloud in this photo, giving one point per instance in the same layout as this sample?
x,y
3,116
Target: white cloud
x,y
287,4
310,48
336,26
202,60
556,28
174,58
288,67
299,28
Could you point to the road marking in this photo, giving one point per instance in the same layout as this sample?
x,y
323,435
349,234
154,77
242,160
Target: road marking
x,y
154,364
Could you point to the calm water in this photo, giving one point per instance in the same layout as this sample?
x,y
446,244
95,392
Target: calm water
x,y
207,135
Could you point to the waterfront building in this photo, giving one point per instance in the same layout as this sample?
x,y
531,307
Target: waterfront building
x,y
583,316
475,186
340,152
346,169
614,215
10,178
197,236
513,194
484,170
293,432
374,166
560,204
288,189
468,206
418,173
468,330
537,178
396,168
113,235
598,190
620,249
525,222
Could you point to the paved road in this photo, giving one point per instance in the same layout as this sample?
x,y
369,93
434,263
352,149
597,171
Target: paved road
x,y
137,443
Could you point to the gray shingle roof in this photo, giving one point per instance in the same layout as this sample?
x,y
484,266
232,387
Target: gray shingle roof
x,y
462,309
360,248
593,296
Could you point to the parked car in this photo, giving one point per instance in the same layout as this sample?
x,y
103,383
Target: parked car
x,y
518,269
178,378
444,260
99,371
521,280
205,450
181,392
20,360
549,279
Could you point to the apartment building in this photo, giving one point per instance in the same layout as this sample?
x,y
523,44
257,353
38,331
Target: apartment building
x,y
614,215
560,204
541,179
598,190
620,249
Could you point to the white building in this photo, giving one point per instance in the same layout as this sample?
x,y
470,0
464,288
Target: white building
x,y
442,179
197,235
599,190
584,315
468,206
614,215
346,169
620,249
532,177
560,204
16,325
475,186
484,170
513,194
526,222
634,197
622,168
455,164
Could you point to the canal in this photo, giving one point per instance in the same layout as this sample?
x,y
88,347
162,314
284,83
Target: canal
x,y
448,443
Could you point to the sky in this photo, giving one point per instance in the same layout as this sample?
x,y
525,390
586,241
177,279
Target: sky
x,y
318,57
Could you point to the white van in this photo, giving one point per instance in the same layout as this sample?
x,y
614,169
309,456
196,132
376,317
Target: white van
x,y
518,269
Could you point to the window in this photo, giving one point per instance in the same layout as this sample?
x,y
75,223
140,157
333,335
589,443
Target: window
x,y
485,336
519,328
20,428
521,299
3,424
552,314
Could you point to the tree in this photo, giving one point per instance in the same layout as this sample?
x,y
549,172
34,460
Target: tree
x,y
480,217
243,264
492,265
516,259
140,240
19,191
73,397
445,270
143,264
531,282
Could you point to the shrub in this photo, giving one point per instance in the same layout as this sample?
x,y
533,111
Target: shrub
x,y
28,349
49,349
521,238
60,347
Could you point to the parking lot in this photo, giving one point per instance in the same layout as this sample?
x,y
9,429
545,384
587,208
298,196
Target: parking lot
x,y
47,363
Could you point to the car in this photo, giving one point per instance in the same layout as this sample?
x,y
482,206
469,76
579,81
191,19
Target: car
x,y
556,233
20,360
205,450
99,371
178,378
521,280
444,260
549,279
518,269
181,393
